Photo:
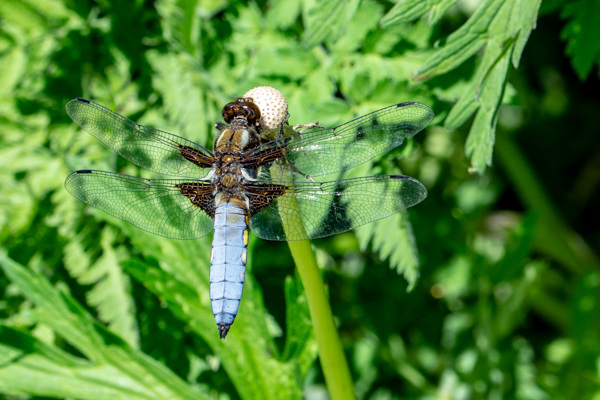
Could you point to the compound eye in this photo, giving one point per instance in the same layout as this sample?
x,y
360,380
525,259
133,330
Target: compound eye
x,y
241,108
252,112
229,111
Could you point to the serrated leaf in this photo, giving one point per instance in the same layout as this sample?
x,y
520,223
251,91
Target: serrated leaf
x,y
247,357
326,19
110,293
503,27
392,239
463,43
404,11
292,61
480,143
359,76
186,94
483,80
180,24
248,354
524,22
138,373
26,17
438,10
37,369
582,32
408,10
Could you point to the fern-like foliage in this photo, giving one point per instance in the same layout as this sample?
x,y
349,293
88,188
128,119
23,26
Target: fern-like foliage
x,y
109,368
93,308
501,28
111,291
393,240
581,33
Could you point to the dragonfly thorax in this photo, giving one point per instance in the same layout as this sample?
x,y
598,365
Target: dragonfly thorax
x,y
228,181
237,138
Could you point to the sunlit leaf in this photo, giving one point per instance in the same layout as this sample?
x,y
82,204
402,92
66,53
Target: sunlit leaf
x,y
503,27
133,372
246,356
326,18
408,10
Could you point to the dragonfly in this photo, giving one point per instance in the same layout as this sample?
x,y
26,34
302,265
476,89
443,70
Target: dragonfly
x,y
247,182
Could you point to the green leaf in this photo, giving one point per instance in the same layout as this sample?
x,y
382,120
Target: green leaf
x,y
292,61
283,13
248,354
12,68
392,239
300,344
526,385
408,10
463,43
503,27
180,23
187,94
31,367
111,291
582,32
364,20
131,372
326,19
480,143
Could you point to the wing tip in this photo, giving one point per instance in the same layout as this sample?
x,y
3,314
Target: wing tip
x,y
71,103
422,188
79,100
75,173
414,103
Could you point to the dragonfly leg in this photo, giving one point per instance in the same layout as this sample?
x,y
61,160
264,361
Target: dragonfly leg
x,y
301,128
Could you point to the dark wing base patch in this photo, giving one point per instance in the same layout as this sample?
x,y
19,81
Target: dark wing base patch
x,y
261,196
196,157
201,195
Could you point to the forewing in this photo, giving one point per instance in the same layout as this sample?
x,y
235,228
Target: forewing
x,y
149,148
154,205
322,151
313,210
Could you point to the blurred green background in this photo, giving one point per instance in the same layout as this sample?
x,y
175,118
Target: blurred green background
x,y
489,289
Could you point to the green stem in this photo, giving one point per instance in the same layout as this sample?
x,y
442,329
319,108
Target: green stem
x,y
331,354
334,365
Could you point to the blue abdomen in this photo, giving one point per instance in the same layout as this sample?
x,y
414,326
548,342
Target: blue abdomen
x,y
228,264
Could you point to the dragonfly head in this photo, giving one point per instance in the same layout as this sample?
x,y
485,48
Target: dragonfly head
x,y
244,108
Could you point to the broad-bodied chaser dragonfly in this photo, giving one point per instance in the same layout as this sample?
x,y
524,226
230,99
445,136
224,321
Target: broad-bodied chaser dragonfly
x,y
247,182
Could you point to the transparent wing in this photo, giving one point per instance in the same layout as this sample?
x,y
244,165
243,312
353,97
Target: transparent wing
x,y
154,205
149,148
313,210
322,151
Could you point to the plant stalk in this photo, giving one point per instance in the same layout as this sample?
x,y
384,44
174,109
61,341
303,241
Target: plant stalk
x,y
334,365
331,354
